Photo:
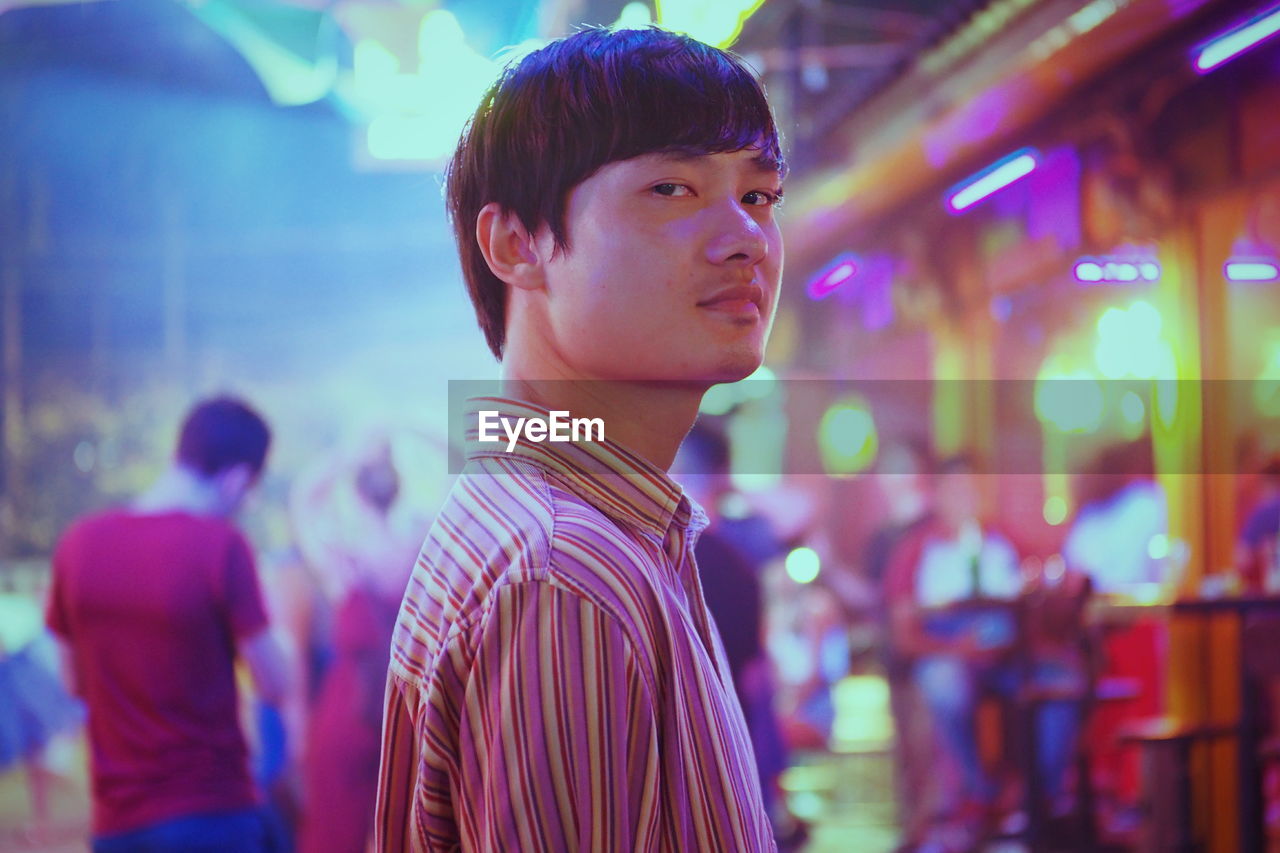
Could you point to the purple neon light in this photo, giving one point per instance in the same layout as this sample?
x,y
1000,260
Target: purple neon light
x,y
1233,42
992,179
837,273
1115,270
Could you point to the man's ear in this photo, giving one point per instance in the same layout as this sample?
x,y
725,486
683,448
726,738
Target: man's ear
x,y
508,247
234,483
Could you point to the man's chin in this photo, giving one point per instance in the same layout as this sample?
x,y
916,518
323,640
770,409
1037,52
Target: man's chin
x,y
728,368
737,369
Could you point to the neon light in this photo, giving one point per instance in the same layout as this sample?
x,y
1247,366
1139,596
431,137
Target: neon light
x,y
1232,43
1251,270
1112,270
994,178
837,273
1088,271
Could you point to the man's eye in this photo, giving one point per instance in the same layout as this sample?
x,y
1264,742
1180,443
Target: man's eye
x,y
672,190
760,198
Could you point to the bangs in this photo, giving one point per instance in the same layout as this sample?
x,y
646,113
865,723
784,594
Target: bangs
x,y
636,92
699,102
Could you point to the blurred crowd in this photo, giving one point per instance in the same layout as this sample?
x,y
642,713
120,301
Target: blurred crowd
x,y
987,649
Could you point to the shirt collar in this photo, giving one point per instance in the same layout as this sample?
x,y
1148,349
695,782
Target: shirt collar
x,y
607,475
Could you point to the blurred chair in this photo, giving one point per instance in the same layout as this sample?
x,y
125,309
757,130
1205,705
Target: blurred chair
x,y
1168,746
1055,628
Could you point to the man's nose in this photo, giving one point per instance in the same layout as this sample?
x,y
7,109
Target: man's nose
x,y
737,237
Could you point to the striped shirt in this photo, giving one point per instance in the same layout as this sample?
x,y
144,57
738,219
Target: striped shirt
x,y
556,682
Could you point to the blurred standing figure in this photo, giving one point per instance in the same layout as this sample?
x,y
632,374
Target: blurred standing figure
x,y
1122,509
355,538
731,586
1123,513
902,477
1258,551
951,590
35,707
153,603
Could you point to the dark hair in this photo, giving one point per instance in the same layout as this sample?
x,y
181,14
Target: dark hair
x,y
708,449
378,482
1113,468
595,97
221,433
964,462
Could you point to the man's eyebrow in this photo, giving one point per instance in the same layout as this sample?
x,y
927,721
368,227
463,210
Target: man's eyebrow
x,y
763,162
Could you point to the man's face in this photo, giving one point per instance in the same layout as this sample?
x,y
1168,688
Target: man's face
x,y
672,271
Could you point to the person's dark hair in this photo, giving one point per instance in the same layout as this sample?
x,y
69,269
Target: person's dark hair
x,y
221,433
910,449
1113,468
378,482
707,449
957,463
595,97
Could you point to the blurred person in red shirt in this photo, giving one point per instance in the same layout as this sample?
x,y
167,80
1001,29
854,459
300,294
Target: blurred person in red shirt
x,y
153,604
1258,549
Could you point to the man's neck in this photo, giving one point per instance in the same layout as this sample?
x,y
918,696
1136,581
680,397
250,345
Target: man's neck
x,y
179,490
648,418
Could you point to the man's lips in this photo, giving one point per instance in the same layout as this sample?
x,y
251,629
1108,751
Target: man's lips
x,y
737,297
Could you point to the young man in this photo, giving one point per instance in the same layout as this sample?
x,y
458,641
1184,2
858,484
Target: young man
x,y
152,604
556,682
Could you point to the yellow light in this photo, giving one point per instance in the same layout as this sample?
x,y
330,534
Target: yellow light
x,y
847,437
1055,510
715,22
862,711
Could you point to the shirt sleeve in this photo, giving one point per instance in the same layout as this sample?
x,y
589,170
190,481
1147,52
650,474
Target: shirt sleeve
x,y
556,736
245,608
1001,577
398,773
